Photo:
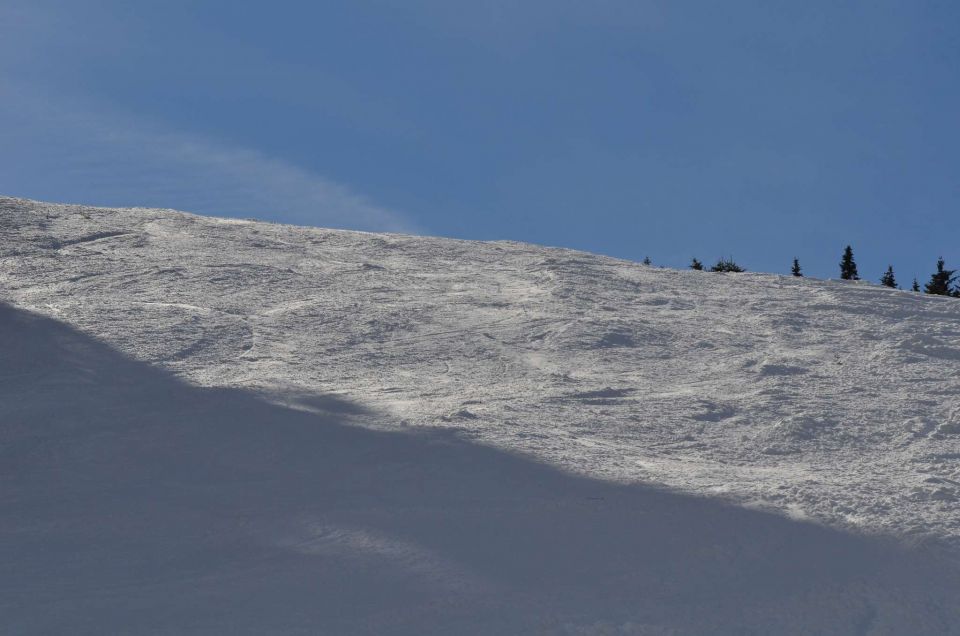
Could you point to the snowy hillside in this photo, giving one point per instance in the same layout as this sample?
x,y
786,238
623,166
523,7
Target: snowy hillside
x,y
222,426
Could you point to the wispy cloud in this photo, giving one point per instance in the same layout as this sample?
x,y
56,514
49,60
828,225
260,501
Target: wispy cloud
x,y
71,148
60,143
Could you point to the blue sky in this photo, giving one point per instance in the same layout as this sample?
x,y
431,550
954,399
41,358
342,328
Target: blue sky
x,y
761,130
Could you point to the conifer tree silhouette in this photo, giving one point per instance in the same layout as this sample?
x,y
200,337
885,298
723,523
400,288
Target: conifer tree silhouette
x,y
848,268
888,279
940,280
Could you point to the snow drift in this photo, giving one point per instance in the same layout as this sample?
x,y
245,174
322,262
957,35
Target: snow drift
x,y
220,426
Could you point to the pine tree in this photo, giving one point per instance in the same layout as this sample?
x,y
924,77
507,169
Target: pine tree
x,y
848,268
726,265
888,279
916,285
940,281
795,270
647,261
697,265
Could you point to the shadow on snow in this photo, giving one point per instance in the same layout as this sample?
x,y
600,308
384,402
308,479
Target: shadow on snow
x,y
135,503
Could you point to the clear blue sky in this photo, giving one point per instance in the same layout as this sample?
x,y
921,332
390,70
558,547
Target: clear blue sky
x,y
760,130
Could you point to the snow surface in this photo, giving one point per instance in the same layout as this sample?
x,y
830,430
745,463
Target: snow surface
x,y
223,426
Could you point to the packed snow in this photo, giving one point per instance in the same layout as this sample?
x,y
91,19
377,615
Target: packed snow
x,y
216,426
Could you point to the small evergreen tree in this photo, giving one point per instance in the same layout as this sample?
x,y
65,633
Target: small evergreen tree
x,y
916,285
647,261
697,265
940,281
888,279
726,265
848,268
795,270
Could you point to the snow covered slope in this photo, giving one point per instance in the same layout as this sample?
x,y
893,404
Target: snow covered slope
x,y
222,426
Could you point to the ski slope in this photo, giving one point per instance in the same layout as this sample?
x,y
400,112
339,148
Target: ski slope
x,y
215,426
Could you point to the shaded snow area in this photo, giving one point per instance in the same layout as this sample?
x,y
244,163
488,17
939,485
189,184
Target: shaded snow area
x,y
214,426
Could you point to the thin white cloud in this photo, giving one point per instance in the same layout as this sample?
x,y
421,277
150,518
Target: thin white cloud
x,y
63,146
72,148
